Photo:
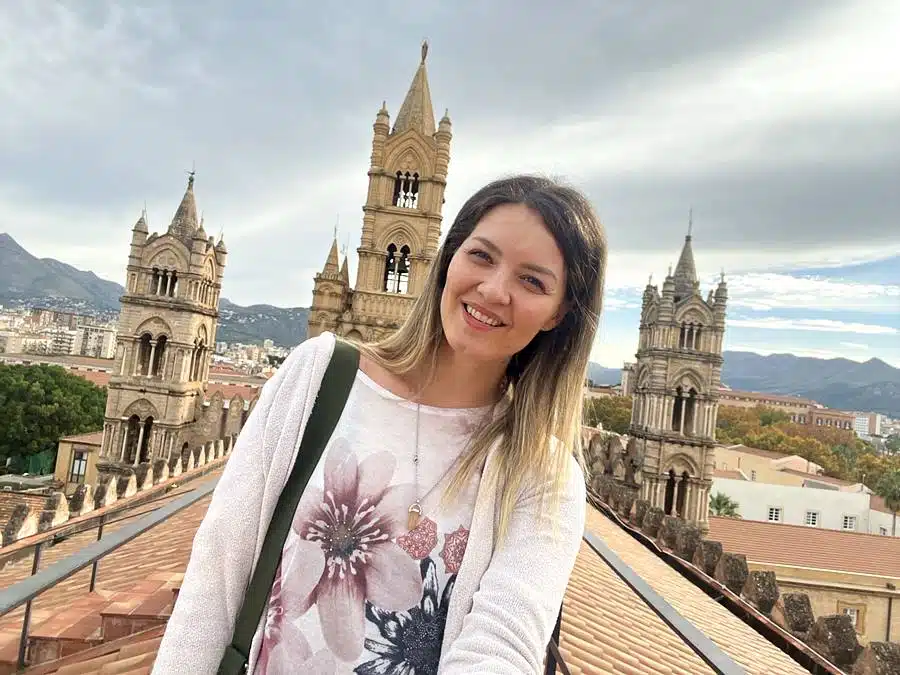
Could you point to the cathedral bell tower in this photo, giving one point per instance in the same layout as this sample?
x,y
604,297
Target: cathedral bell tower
x,y
167,329
401,223
676,381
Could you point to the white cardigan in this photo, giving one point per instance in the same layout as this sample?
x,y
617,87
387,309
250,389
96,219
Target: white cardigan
x,y
505,600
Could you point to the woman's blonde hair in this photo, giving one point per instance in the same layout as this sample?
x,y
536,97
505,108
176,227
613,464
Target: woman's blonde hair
x,y
545,381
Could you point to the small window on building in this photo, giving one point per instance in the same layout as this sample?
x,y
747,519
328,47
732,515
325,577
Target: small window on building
x,y
882,531
752,475
774,514
848,523
79,467
812,518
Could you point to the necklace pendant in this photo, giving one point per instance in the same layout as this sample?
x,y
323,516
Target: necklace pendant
x,y
415,514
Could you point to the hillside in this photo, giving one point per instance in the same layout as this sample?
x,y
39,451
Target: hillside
x,y
25,278
838,383
284,326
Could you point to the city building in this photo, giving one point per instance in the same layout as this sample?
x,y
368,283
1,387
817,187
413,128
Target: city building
x,y
401,223
677,378
96,341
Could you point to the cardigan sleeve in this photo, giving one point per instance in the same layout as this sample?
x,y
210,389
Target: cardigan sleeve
x,y
518,600
224,548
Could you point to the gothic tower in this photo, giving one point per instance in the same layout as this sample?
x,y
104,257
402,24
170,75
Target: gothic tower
x,y
401,223
676,381
167,328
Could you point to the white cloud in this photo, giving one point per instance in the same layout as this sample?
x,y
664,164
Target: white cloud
x,y
857,346
819,325
766,291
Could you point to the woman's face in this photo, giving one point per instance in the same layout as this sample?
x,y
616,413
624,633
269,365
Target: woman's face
x,y
505,283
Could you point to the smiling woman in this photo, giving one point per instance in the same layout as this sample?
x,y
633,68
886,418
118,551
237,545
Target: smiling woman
x,y
439,527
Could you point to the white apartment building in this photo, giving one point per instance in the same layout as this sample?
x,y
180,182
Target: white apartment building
x,y
867,425
816,504
96,341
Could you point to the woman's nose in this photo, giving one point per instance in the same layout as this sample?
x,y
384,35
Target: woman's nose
x,y
494,288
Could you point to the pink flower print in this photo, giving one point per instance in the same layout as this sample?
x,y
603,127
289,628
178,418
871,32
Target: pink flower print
x,y
284,646
353,523
454,549
420,542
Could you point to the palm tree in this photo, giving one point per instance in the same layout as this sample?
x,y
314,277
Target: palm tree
x,y
721,504
888,488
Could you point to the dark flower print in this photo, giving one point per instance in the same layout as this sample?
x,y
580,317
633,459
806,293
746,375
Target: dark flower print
x,y
411,643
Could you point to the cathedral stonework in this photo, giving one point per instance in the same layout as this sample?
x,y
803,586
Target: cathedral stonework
x,y
401,223
156,406
675,401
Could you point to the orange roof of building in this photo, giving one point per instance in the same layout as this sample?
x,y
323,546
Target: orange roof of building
x,y
90,438
768,454
606,627
761,396
728,473
812,547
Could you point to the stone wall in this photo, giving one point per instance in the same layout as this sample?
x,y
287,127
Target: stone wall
x,y
831,636
115,482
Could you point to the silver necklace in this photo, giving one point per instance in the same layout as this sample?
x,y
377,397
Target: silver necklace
x,y
414,513
415,509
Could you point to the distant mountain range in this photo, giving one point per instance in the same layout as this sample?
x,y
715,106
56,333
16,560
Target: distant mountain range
x,y
45,282
837,383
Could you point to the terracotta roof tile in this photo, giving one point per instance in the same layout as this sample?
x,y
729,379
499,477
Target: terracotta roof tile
x,y
730,474
820,548
747,647
768,454
9,500
819,478
90,438
606,627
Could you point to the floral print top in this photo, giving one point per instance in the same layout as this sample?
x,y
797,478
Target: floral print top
x,y
356,591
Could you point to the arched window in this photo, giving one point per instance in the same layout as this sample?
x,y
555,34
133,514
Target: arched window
x,y
670,493
146,428
145,346
159,356
132,437
199,359
689,337
684,411
396,269
681,496
406,190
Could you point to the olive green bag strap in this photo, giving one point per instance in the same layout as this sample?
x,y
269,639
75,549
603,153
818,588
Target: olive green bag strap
x,y
325,414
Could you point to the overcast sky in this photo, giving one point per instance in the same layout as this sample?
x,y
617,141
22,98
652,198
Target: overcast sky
x,y
778,122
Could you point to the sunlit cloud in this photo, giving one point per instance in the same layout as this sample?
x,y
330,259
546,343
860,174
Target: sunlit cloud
x,y
818,325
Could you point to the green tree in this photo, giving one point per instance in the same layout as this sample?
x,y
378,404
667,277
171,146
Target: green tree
x,y
39,405
888,487
893,443
613,412
721,504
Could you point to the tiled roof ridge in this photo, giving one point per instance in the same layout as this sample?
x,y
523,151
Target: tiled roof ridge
x,y
786,621
102,649
806,528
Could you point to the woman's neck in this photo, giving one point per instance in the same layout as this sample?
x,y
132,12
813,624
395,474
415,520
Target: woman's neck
x,y
460,382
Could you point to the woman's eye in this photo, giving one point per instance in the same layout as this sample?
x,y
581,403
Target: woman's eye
x,y
480,254
534,281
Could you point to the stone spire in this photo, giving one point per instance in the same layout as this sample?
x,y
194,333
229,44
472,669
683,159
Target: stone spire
x,y
686,271
141,224
416,111
345,271
185,221
332,264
